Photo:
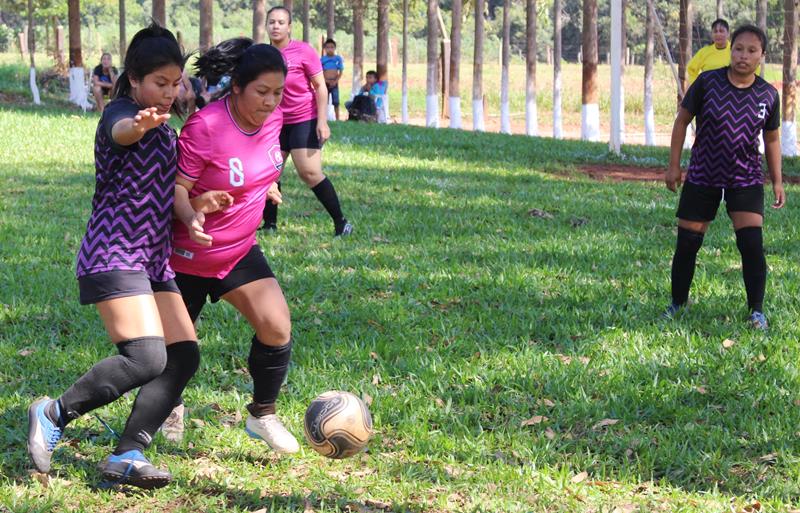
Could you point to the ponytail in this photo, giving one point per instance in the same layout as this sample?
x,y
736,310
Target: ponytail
x,y
241,60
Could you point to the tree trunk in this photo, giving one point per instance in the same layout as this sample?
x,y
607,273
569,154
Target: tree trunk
x,y
259,21
432,100
505,111
557,122
590,113
719,9
624,48
404,101
306,22
358,45
649,113
77,78
382,57
761,21
206,24
289,5
330,10
788,127
160,12
32,52
477,69
531,123
455,66
123,38
685,40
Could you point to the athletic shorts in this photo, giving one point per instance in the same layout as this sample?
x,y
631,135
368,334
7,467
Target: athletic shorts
x,y
700,203
94,288
300,136
334,92
195,289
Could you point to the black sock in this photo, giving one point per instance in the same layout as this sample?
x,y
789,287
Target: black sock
x,y
156,399
271,212
268,366
683,263
326,195
754,265
139,360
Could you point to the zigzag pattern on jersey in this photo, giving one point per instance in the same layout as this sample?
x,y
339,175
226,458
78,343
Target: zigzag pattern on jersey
x,y
131,223
725,152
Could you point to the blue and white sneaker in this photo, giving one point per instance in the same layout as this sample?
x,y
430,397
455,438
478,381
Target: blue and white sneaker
x,y
758,320
672,310
43,434
343,230
132,468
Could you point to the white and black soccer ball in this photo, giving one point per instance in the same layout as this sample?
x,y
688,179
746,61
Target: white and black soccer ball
x,y
338,424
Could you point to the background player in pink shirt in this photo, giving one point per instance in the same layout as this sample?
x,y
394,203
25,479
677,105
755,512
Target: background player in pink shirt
x,y
305,129
229,159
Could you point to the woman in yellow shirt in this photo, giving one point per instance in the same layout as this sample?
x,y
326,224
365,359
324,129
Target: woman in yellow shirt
x,y
714,56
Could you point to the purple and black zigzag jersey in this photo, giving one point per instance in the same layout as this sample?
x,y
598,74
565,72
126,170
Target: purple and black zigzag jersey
x,y
729,121
130,228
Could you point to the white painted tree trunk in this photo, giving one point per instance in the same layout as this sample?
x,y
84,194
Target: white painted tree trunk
x,y
77,88
558,123
383,115
35,88
455,111
615,139
432,111
590,122
477,116
789,138
331,111
649,123
531,117
404,107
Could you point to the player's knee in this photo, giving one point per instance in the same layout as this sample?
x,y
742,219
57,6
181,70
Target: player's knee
x,y
145,358
274,332
689,241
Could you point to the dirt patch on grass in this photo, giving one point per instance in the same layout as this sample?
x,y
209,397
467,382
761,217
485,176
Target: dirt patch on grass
x,y
624,173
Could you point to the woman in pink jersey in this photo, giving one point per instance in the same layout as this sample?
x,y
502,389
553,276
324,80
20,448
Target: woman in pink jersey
x,y
305,129
230,152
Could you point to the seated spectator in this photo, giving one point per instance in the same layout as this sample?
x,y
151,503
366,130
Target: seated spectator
x,y
104,77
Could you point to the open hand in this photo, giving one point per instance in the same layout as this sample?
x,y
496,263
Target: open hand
x,y
149,118
274,194
212,201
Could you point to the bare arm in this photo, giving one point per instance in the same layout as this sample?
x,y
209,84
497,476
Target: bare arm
x,y
673,175
130,130
184,211
772,151
321,91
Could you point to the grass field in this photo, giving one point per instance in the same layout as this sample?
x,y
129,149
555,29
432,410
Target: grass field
x,y
458,314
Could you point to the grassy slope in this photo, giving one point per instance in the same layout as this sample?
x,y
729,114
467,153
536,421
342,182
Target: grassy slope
x,y
457,312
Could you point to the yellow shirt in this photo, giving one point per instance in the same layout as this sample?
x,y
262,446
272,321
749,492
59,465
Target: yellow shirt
x,y
708,58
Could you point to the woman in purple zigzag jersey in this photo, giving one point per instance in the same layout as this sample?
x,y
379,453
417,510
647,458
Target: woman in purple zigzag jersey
x,y
123,268
733,107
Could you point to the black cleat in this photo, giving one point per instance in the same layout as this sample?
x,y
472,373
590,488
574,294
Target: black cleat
x,y
132,468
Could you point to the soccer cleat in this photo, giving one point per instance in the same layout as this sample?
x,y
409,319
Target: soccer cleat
x,y
269,227
132,468
270,429
173,427
758,320
671,311
43,434
343,230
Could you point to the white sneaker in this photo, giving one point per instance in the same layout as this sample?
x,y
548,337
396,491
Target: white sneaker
x,y
173,427
270,429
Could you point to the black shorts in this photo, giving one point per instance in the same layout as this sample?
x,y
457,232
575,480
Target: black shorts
x,y
300,136
195,289
94,288
700,203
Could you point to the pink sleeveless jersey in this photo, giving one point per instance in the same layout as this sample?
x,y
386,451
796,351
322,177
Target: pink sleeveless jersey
x,y
299,101
215,154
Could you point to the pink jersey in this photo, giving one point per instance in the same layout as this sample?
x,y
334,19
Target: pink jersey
x,y
299,99
215,154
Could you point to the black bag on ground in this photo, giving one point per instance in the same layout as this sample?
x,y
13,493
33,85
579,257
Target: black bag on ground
x,y
362,108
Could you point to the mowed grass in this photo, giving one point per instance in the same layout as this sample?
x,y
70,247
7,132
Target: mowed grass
x,y
455,313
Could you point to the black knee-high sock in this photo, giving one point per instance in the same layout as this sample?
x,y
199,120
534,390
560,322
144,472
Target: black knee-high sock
x,y
157,398
326,195
268,366
683,263
139,360
271,211
754,265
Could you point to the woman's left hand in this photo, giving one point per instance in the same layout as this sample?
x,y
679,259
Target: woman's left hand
x,y
323,131
274,194
212,201
780,195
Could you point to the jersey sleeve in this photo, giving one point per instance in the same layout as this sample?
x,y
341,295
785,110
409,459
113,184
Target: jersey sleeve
x,y
340,63
115,112
311,63
194,148
773,122
695,65
693,100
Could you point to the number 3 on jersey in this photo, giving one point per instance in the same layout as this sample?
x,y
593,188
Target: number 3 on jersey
x,y
236,172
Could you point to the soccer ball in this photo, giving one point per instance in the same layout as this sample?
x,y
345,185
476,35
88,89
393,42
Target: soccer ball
x,y
338,424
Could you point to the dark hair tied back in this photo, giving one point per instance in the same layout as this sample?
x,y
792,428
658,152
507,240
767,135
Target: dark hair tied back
x,y
241,60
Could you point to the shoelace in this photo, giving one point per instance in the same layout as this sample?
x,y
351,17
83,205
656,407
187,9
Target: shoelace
x,y
54,437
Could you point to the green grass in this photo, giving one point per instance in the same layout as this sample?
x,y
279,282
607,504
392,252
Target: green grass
x,y
457,312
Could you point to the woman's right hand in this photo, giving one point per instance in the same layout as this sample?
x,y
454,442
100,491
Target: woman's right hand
x,y
212,201
196,232
149,118
673,178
